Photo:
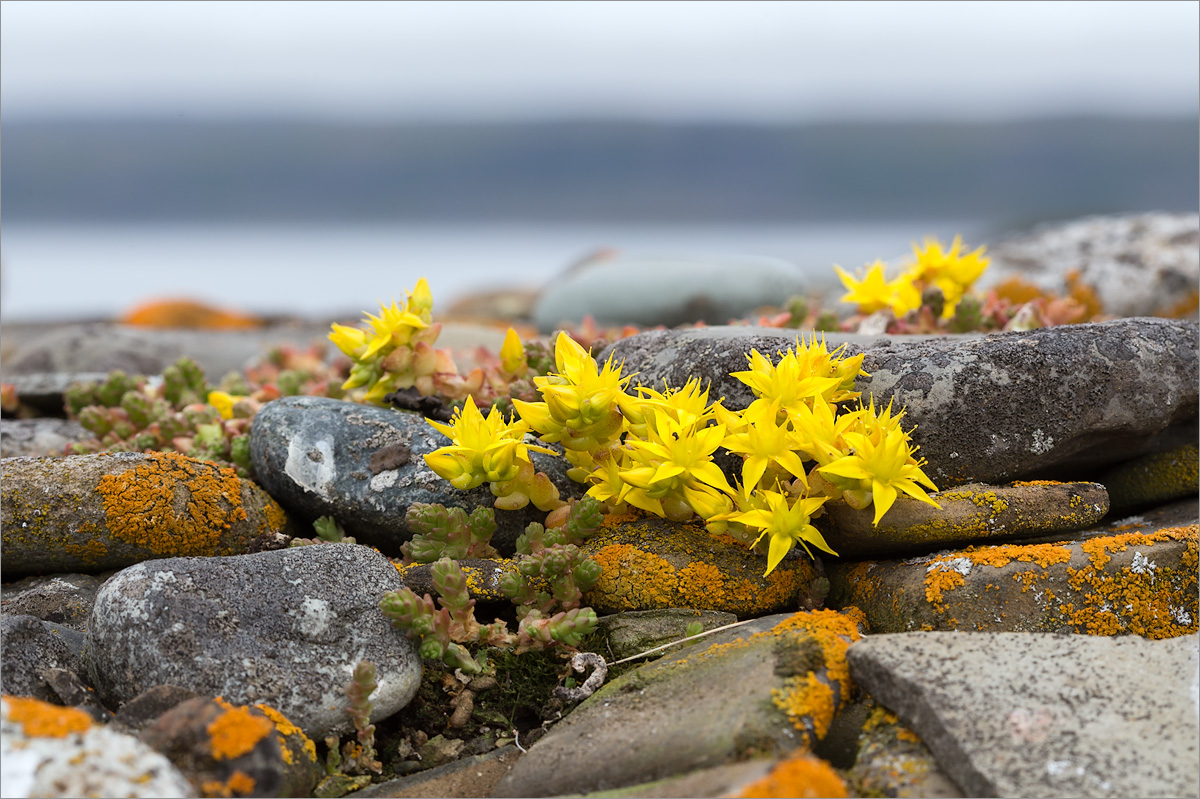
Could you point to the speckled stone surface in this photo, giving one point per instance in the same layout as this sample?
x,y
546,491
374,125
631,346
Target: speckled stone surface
x,y
1020,715
285,628
1056,403
364,466
22,437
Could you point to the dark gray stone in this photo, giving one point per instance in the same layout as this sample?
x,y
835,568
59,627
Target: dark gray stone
x,y
1059,402
285,628
30,646
669,290
318,457
20,437
1027,714
64,599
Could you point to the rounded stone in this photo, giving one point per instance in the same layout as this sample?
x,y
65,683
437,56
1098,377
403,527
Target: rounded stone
x,y
285,628
651,563
89,513
364,466
667,291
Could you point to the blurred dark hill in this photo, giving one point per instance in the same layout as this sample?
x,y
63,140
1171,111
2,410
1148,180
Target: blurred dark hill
x,y
145,170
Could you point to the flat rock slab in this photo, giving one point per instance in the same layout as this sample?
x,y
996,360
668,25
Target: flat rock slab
x,y
651,563
365,465
284,628
89,513
1142,583
1009,714
763,688
26,437
1055,403
975,513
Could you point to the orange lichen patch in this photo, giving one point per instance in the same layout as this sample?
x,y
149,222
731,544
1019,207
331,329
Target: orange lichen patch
x,y
43,720
937,582
287,730
801,775
1017,291
806,700
91,551
880,717
1037,483
236,732
1145,598
645,580
187,314
171,505
238,784
810,700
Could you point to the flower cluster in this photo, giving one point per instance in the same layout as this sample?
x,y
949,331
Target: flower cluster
x,y
654,450
948,271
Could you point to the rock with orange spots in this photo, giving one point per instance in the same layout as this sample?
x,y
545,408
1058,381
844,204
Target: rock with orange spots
x,y
757,690
799,775
1055,403
54,751
893,761
365,466
1026,714
1135,265
651,563
285,628
231,750
89,513
969,514
1101,583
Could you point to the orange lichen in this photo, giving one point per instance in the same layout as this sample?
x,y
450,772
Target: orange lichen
x,y
187,314
171,505
236,732
937,582
287,730
44,720
801,775
238,784
806,700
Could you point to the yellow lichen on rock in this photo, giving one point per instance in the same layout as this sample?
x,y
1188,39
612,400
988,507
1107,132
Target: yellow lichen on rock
x,y
801,775
171,505
237,731
287,730
43,720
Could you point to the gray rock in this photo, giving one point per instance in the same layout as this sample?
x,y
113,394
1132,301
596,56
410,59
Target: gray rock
x,y
64,599
1060,402
893,761
1138,265
102,347
20,437
475,775
1010,714
635,631
715,702
365,465
668,291
89,513
95,761
30,646
285,628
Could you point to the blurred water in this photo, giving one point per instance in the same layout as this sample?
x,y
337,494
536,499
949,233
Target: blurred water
x,y
57,272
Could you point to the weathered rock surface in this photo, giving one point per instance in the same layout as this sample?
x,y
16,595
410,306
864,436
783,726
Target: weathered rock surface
x,y
1142,583
53,751
365,465
767,687
285,628
64,599
635,631
1044,715
1056,403
894,761
652,563
1138,265
24,437
974,513
89,513
30,647
669,291
1154,479
476,775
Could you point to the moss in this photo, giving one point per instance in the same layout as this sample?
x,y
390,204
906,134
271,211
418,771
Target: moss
x,y
236,731
801,775
171,505
43,720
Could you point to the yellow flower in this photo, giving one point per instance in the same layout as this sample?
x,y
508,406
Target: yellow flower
x,y
785,383
223,402
880,462
874,291
786,524
391,328
819,431
484,448
688,406
953,273
675,463
512,353
350,340
763,443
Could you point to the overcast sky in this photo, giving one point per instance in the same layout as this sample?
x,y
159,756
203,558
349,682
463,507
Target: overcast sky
x,y
750,61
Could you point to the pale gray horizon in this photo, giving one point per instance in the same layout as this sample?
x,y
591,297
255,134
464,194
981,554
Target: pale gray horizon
x,y
744,61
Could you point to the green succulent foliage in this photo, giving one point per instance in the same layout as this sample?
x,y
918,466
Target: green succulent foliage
x,y
440,532
328,531
184,383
